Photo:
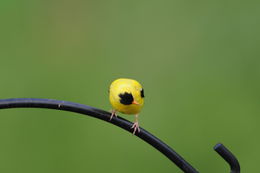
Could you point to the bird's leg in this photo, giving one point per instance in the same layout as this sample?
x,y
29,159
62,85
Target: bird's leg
x,y
135,126
113,113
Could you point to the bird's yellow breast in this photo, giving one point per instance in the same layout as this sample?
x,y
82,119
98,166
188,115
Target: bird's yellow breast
x,y
121,93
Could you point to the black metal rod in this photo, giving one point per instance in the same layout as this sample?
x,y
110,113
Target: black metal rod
x,y
229,157
103,115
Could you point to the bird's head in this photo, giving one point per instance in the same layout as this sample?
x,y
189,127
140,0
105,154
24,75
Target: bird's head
x,y
132,95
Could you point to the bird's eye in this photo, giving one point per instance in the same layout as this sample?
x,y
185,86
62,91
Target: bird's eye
x,y
142,93
126,98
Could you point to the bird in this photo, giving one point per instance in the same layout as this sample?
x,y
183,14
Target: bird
x,y
126,96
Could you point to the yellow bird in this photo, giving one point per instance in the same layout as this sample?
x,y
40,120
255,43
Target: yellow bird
x,y
126,96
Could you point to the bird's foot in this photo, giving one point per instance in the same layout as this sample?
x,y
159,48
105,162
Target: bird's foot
x,y
135,126
113,113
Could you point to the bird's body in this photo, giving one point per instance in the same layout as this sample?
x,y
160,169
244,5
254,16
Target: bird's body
x,y
126,96
120,94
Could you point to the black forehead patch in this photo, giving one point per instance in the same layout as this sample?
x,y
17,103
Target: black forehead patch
x,y
142,93
126,98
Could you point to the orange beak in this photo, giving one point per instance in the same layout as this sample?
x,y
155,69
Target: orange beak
x,y
135,102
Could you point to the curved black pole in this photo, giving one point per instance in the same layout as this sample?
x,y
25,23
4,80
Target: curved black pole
x,y
103,115
229,157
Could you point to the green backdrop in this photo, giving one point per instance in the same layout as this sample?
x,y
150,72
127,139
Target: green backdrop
x,y
197,60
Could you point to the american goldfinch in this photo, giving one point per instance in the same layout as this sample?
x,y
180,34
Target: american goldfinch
x,y
126,96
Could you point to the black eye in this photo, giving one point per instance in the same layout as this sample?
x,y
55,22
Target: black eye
x,y
142,93
126,98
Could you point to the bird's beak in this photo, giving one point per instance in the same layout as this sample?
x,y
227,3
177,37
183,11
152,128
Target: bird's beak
x,y
135,102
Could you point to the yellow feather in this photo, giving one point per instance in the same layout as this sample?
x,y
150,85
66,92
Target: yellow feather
x,y
122,86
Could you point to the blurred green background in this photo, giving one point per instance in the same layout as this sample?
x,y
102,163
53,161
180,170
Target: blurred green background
x,y
197,60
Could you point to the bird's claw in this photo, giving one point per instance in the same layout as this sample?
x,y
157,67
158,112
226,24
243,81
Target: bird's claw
x,y
113,113
135,126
